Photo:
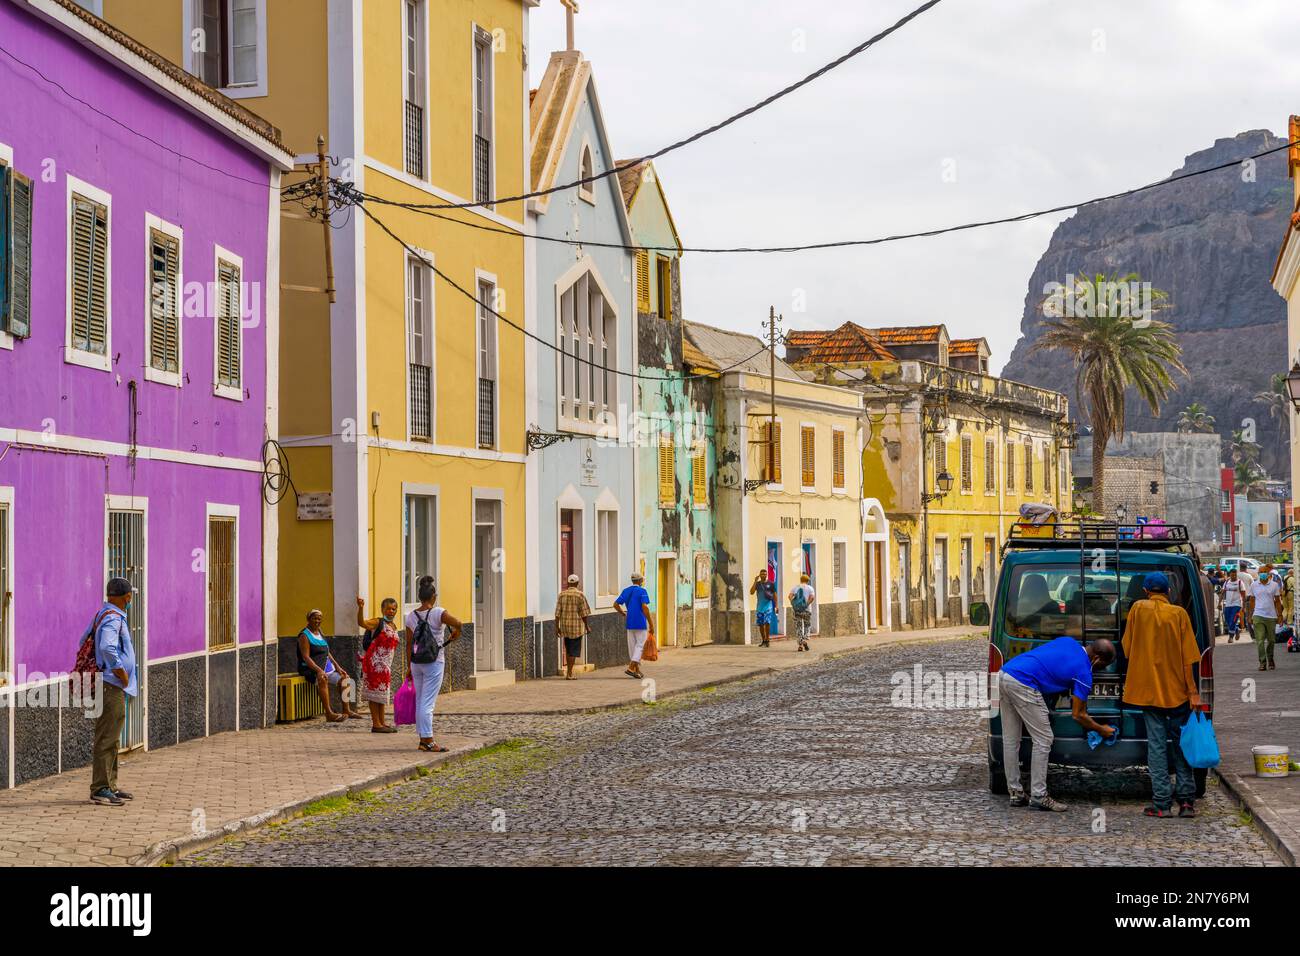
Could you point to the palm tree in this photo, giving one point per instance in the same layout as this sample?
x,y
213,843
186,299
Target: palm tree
x,y
1277,399
1248,478
1112,352
1194,418
1243,451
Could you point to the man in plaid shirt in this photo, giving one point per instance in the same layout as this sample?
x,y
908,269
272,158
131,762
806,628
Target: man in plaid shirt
x,y
571,613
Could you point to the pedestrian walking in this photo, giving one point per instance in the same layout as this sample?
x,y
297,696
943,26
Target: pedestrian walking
x,y
1060,666
429,629
317,665
801,599
379,649
634,605
765,611
115,657
1161,650
571,614
1264,607
1234,590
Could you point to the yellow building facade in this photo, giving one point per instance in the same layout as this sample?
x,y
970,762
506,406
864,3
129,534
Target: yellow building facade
x,y
402,405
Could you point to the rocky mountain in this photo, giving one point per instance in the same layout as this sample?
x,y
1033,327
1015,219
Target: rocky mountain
x,y
1210,242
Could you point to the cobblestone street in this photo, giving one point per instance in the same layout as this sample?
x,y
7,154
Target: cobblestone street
x,y
808,767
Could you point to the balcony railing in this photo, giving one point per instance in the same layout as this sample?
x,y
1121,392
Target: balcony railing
x,y
421,403
487,420
415,139
482,169
992,388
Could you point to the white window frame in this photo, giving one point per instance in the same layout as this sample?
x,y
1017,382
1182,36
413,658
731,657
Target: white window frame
x,y
839,593
151,374
217,510
426,262
482,276
605,419
220,255
7,631
416,490
474,31
587,191
808,489
7,159
71,354
604,507
421,82
844,442
235,92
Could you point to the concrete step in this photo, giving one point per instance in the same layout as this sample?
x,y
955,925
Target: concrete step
x,y
485,680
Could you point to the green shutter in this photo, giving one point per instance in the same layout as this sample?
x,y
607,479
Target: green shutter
x,y
6,243
228,321
89,276
20,265
164,320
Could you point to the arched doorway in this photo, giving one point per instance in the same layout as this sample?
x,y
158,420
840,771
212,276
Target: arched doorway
x,y
876,565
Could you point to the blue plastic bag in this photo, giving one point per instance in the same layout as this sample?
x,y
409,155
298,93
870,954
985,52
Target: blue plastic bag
x,y
1198,742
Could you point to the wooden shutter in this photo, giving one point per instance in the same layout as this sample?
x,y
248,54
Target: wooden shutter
x,y
89,275
967,465
990,465
808,456
1011,465
837,459
665,269
19,285
699,478
1047,469
1029,464
228,319
667,472
940,456
164,318
643,281
771,451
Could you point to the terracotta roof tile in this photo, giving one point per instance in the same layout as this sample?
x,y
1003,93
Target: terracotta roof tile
x,y
966,346
848,344
908,334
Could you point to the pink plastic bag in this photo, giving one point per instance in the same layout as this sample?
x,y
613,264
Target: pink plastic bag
x,y
404,703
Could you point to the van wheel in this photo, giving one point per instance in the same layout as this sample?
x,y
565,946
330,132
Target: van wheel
x,y
997,780
1200,774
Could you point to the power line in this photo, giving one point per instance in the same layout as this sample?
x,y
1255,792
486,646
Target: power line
x,y
131,129
578,357
798,84
428,209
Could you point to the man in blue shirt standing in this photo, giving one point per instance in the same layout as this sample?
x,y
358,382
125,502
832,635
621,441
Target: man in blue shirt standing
x,y
1059,666
765,611
634,604
115,656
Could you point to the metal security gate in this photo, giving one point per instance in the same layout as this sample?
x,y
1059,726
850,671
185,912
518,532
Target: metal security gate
x,y
221,583
126,560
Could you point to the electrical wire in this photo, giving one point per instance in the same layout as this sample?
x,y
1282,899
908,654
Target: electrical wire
x,y
723,124
262,184
483,305
428,209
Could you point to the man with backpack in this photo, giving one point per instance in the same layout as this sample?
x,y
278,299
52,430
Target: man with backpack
x,y
801,602
115,658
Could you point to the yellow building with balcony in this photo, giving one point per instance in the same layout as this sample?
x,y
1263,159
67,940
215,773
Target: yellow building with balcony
x,y
951,455
402,403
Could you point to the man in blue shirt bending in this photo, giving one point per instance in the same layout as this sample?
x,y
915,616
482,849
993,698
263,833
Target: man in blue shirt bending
x,y
634,604
115,656
1059,666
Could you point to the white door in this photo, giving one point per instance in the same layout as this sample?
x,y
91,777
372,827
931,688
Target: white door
x,y
489,638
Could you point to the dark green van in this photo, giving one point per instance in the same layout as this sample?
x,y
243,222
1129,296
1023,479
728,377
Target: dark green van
x,y
1080,580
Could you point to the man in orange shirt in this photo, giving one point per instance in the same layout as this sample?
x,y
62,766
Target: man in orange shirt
x,y
1161,649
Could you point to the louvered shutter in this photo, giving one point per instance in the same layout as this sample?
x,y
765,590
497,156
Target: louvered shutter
x,y
990,466
19,284
164,321
643,281
667,467
837,459
771,434
808,456
89,275
228,326
967,465
699,483
775,448
6,244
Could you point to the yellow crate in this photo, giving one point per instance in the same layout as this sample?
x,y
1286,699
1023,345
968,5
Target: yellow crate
x,y
296,699
1026,530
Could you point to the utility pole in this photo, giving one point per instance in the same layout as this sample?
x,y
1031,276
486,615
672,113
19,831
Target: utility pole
x,y
773,326
319,209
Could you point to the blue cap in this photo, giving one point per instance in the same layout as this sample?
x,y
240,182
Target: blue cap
x,y
1156,581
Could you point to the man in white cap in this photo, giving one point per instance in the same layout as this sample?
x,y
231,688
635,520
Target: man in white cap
x,y
571,613
634,605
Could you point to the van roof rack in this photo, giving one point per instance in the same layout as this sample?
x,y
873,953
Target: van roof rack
x,y
1059,535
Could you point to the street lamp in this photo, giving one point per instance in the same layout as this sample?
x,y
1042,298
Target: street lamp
x,y
1293,384
944,483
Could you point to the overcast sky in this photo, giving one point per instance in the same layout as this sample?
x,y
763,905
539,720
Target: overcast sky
x,y
1031,103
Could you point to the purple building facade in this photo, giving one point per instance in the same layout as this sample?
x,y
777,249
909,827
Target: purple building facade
x,y
139,244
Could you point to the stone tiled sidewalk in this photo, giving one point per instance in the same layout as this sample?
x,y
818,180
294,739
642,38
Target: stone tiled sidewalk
x,y
1273,718
192,794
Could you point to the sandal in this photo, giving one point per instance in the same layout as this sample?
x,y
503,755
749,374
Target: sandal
x,y
633,674
336,719
386,729
433,749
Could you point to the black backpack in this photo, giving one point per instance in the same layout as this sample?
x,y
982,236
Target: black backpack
x,y
425,648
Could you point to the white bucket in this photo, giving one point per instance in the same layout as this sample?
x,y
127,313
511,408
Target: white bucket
x,y
1271,761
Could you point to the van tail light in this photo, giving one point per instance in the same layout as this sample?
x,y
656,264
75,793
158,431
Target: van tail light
x,y
1207,679
1207,662
995,658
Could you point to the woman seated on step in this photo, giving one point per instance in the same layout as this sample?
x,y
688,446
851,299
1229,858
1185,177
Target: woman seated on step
x,y
317,665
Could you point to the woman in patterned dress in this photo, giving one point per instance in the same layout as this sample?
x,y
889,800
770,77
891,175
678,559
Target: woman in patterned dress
x,y
377,661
